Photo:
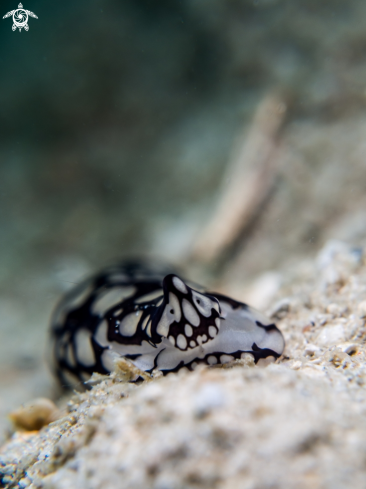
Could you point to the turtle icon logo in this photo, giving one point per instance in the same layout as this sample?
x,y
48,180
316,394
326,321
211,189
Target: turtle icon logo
x,y
20,18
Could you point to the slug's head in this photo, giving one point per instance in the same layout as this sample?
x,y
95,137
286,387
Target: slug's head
x,y
187,318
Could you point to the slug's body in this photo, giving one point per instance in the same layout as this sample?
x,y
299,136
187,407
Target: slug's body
x,y
156,321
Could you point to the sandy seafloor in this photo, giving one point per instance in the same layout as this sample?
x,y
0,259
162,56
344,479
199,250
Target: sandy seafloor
x,y
297,423
114,142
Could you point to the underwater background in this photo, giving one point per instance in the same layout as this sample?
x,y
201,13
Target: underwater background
x,y
123,126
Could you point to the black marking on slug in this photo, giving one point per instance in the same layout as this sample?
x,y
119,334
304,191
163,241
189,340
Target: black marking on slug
x,y
263,353
269,327
234,304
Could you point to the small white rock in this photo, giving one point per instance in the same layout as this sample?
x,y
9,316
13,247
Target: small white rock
x,y
349,348
296,365
311,349
331,335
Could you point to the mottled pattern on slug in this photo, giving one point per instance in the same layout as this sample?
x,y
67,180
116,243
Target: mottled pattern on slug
x,y
157,321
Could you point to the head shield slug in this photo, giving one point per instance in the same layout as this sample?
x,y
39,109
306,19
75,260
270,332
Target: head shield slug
x,y
155,320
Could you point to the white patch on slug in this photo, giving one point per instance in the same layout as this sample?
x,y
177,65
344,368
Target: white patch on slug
x,y
182,342
190,313
101,334
172,313
108,358
149,297
111,297
204,304
180,285
73,300
211,360
84,349
148,329
226,358
212,331
188,330
144,323
128,325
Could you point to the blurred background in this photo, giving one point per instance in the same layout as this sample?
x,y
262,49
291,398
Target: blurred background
x,y
125,127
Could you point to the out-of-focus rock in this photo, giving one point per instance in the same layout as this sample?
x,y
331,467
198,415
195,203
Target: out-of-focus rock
x,y
33,415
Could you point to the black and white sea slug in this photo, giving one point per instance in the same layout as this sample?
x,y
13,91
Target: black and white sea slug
x,y
157,321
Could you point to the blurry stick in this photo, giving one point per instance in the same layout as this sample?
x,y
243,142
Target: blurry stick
x,y
247,183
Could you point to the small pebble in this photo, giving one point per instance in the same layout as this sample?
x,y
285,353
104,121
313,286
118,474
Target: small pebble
x,y
34,415
349,348
296,365
311,349
331,335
